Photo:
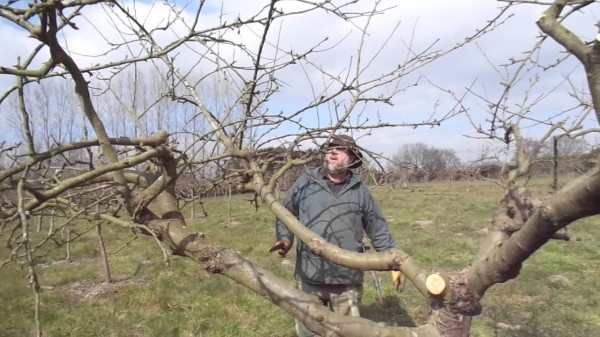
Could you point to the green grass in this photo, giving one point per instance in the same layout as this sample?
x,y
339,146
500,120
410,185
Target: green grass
x,y
149,298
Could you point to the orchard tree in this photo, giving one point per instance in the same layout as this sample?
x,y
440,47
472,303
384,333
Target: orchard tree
x,y
425,160
188,52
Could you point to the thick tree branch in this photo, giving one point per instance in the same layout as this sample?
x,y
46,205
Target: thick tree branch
x,y
589,57
300,305
154,141
503,262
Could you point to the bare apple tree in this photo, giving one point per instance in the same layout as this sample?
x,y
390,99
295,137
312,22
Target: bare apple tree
x,y
215,108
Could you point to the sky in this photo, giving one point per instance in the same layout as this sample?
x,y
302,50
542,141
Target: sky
x,y
420,24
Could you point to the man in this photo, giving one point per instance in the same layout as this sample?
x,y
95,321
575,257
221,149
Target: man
x,y
336,204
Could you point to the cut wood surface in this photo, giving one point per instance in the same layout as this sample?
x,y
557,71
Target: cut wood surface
x,y
435,284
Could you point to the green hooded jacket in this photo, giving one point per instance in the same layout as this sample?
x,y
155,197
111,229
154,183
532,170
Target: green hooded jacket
x,y
341,220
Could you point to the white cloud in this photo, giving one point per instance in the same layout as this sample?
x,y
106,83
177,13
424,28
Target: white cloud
x,y
421,24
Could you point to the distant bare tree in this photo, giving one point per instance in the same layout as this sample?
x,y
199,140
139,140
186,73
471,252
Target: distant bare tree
x,y
428,162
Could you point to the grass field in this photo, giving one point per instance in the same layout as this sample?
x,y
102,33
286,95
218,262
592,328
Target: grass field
x,y
149,298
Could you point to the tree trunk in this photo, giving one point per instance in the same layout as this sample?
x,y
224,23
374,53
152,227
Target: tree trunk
x,y
103,255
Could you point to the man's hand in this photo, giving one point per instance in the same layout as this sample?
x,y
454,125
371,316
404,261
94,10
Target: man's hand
x,y
282,247
398,280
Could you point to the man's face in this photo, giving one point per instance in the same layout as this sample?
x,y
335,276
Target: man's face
x,y
338,159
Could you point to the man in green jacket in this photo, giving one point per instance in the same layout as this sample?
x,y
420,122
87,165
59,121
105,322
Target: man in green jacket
x,y
336,204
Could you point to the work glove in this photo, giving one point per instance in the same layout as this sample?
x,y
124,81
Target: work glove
x,y
398,280
282,247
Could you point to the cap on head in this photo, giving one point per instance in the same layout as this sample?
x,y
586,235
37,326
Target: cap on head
x,y
348,143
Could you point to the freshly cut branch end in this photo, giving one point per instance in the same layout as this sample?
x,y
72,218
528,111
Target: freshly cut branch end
x,y
436,285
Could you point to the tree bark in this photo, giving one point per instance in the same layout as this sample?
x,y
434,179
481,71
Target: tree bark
x,y
103,255
503,262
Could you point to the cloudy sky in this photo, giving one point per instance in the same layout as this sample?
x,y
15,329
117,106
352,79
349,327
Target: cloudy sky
x,y
438,24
